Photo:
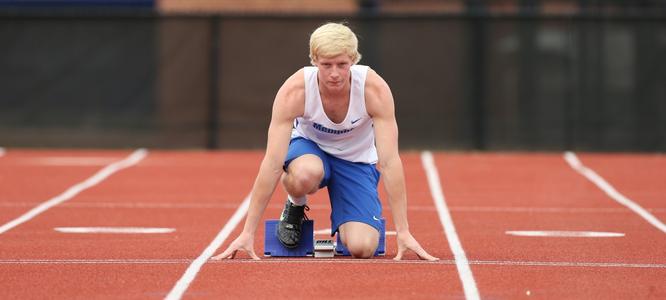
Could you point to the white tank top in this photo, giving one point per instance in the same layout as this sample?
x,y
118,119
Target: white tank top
x,y
353,139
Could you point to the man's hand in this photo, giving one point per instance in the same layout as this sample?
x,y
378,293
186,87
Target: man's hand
x,y
244,242
407,242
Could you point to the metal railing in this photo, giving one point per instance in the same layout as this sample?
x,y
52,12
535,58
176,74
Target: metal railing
x,y
591,80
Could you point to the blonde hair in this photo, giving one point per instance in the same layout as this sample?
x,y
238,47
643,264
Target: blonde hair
x,y
332,39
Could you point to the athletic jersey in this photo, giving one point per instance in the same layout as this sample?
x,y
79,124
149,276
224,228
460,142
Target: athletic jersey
x,y
353,139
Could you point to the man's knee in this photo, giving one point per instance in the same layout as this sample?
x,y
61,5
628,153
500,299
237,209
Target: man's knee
x,y
362,247
304,175
309,175
360,239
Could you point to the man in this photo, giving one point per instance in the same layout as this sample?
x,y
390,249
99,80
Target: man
x,y
332,125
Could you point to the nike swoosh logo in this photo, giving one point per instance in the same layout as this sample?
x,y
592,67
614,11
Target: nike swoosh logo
x,y
375,218
354,121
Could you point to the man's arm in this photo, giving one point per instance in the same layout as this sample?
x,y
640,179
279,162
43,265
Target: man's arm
x,y
380,106
288,104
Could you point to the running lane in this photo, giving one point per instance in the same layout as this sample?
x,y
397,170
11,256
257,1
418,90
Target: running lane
x,y
489,194
340,278
192,192
638,177
30,177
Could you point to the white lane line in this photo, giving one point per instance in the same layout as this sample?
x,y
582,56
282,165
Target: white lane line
x,y
555,233
69,161
567,264
118,230
322,231
134,205
577,165
2,151
447,262
91,261
334,261
70,193
462,264
184,282
327,231
583,210
194,205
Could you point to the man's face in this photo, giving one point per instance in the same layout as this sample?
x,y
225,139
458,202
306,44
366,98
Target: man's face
x,y
334,71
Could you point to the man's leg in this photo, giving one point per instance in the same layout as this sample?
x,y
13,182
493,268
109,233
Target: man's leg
x,y
356,209
360,239
303,176
305,172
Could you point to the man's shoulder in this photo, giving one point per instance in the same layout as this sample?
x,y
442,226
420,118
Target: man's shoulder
x,y
374,83
378,98
295,84
291,96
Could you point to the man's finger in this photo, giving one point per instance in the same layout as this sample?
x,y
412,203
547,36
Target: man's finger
x,y
253,255
428,257
220,256
399,255
226,254
422,254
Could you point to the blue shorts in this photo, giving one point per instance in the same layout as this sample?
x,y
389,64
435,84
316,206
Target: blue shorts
x,y
352,187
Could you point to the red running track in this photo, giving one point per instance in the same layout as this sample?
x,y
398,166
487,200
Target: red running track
x,y
502,192
197,192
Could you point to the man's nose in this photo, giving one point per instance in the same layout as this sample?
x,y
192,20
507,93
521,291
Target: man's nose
x,y
335,73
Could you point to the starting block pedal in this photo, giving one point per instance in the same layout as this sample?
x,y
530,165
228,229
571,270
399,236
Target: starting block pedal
x,y
340,248
273,247
324,249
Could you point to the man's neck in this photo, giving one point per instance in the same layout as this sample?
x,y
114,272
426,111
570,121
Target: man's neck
x,y
335,94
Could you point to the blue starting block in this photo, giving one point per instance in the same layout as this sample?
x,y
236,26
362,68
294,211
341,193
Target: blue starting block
x,y
340,248
273,247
